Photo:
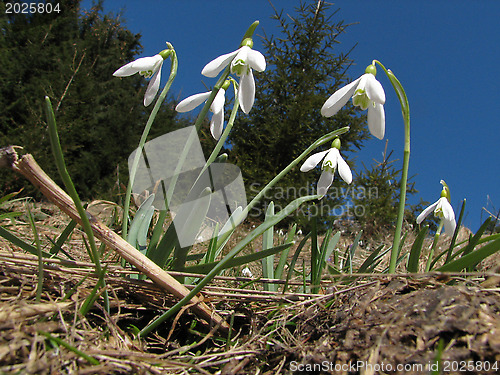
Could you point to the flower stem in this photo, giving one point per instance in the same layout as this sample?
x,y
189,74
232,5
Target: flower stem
x,y
434,245
405,110
145,133
225,134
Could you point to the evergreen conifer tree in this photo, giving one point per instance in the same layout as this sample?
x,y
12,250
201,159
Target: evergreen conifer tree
x,y
305,65
70,56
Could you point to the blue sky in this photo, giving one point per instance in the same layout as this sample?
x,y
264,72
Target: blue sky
x,y
445,53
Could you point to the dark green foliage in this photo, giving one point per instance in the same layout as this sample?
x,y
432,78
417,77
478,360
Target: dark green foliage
x,y
304,67
70,57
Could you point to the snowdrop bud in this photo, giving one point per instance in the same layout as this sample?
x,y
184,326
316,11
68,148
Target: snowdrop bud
x,y
247,42
336,143
221,158
446,191
226,84
371,69
165,53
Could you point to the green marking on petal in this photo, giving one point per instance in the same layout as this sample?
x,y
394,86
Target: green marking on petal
x,y
328,166
146,73
360,99
238,67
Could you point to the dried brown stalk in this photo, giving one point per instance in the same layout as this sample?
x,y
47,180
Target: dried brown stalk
x,y
28,167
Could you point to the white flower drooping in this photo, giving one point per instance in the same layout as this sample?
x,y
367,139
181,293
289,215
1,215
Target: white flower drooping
x,y
243,60
217,107
367,93
442,209
332,161
149,67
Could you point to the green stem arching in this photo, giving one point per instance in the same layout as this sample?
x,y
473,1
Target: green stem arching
x,y
225,134
434,245
70,187
405,110
145,133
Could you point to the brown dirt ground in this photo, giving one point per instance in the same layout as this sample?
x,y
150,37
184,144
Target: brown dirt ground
x,y
356,326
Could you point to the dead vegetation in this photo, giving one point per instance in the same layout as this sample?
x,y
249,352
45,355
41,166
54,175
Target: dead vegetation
x,y
375,319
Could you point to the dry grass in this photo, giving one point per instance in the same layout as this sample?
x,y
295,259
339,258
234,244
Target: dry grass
x,y
370,318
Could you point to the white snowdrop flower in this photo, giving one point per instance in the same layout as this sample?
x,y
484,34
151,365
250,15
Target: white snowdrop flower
x,y
243,60
367,93
149,67
217,107
442,209
332,160
246,272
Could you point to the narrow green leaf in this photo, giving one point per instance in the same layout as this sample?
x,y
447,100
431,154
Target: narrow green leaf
x,y
39,253
140,220
192,216
239,261
58,341
454,238
161,253
211,253
142,234
63,237
372,258
472,259
284,255
351,251
328,250
314,248
267,243
475,239
21,243
414,258
294,260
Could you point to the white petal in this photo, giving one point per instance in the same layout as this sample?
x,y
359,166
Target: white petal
x,y
374,89
426,212
256,60
152,90
191,102
344,170
324,182
448,215
447,210
217,124
450,226
332,157
214,67
139,65
376,120
313,161
338,99
219,100
246,92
